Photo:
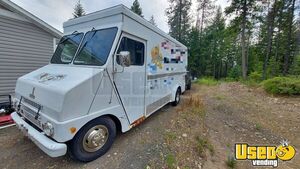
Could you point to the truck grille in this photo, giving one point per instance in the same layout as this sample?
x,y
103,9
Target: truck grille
x,y
31,103
29,113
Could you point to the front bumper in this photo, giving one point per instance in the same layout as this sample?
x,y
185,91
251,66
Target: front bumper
x,y
49,146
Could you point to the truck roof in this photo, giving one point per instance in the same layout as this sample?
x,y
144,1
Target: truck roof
x,y
117,10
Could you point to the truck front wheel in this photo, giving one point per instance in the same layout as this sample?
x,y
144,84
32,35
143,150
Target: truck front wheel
x,y
93,140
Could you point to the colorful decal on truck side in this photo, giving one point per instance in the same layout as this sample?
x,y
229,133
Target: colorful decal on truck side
x,y
163,53
156,60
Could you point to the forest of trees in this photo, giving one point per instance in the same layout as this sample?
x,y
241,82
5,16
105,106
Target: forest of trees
x,y
248,37
260,37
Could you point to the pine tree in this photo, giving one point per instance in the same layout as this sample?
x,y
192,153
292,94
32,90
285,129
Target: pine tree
x,y
78,10
262,39
196,63
243,9
214,45
278,39
204,13
152,20
278,43
179,19
290,21
295,69
136,8
270,24
218,34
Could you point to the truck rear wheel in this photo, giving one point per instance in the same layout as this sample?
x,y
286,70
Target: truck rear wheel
x,y
177,97
93,140
189,86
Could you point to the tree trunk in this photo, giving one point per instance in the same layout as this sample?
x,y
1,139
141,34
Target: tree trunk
x,y
220,69
274,68
289,37
202,21
226,67
201,24
278,37
248,48
244,62
271,17
179,22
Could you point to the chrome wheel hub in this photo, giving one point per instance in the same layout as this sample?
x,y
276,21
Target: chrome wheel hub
x,y
95,138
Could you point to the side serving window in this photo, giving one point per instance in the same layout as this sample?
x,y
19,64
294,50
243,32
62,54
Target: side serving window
x,y
136,49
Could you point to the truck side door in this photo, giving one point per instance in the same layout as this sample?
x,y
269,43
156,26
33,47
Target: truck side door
x,y
130,81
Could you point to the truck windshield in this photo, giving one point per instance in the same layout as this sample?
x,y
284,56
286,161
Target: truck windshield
x,y
66,49
95,47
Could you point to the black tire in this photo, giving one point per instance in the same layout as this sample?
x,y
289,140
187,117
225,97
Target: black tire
x,y
188,86
76,147
177,97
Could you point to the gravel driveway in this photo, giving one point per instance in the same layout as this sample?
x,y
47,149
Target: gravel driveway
x,y
230,113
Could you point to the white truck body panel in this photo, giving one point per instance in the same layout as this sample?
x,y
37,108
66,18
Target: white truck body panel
x,y
72,95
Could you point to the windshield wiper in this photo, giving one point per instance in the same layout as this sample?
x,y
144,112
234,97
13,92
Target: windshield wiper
x,y
82,46
74,34
69,37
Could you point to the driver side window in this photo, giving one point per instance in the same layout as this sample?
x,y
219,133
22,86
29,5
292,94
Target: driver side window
x,y
136,49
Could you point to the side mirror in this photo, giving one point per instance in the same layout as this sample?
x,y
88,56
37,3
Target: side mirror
x,y
124,58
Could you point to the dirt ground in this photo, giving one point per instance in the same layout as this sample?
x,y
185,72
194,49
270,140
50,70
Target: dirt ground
x,y
198,133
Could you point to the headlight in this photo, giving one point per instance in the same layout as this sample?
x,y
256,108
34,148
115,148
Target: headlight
x,y
15,103
48,129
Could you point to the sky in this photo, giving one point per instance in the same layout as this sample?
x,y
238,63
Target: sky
x,y
55,12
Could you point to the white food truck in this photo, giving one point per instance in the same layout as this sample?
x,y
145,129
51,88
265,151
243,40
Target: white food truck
x,y
111,70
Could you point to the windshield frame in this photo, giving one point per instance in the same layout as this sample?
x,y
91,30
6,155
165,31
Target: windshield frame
x,y
60,41
80,48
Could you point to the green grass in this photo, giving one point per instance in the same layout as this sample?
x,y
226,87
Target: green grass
x,y
202,145
250,83
228,79
231,163
171,161
170,136
220,97
253,80
186,167
207,81
277,85
257,127
282,85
